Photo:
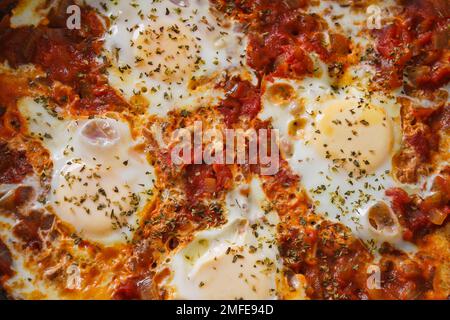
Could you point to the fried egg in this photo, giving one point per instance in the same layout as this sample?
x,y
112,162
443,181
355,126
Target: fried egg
x,y
340,139
238,260
101,180
163,54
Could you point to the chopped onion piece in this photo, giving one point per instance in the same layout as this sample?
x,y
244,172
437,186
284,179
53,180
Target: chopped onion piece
x,y
382,220
100,132
437,216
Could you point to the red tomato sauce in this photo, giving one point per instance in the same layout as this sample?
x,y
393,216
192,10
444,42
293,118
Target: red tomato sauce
x,y
14,165
67,56
281,35
418,43
202,180
128,290
421,216
242,100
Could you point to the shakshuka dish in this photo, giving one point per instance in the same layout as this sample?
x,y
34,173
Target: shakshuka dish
x,y
224,149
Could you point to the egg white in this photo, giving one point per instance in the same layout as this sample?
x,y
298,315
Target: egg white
x,y
98,186
239,260
29,13
353,21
